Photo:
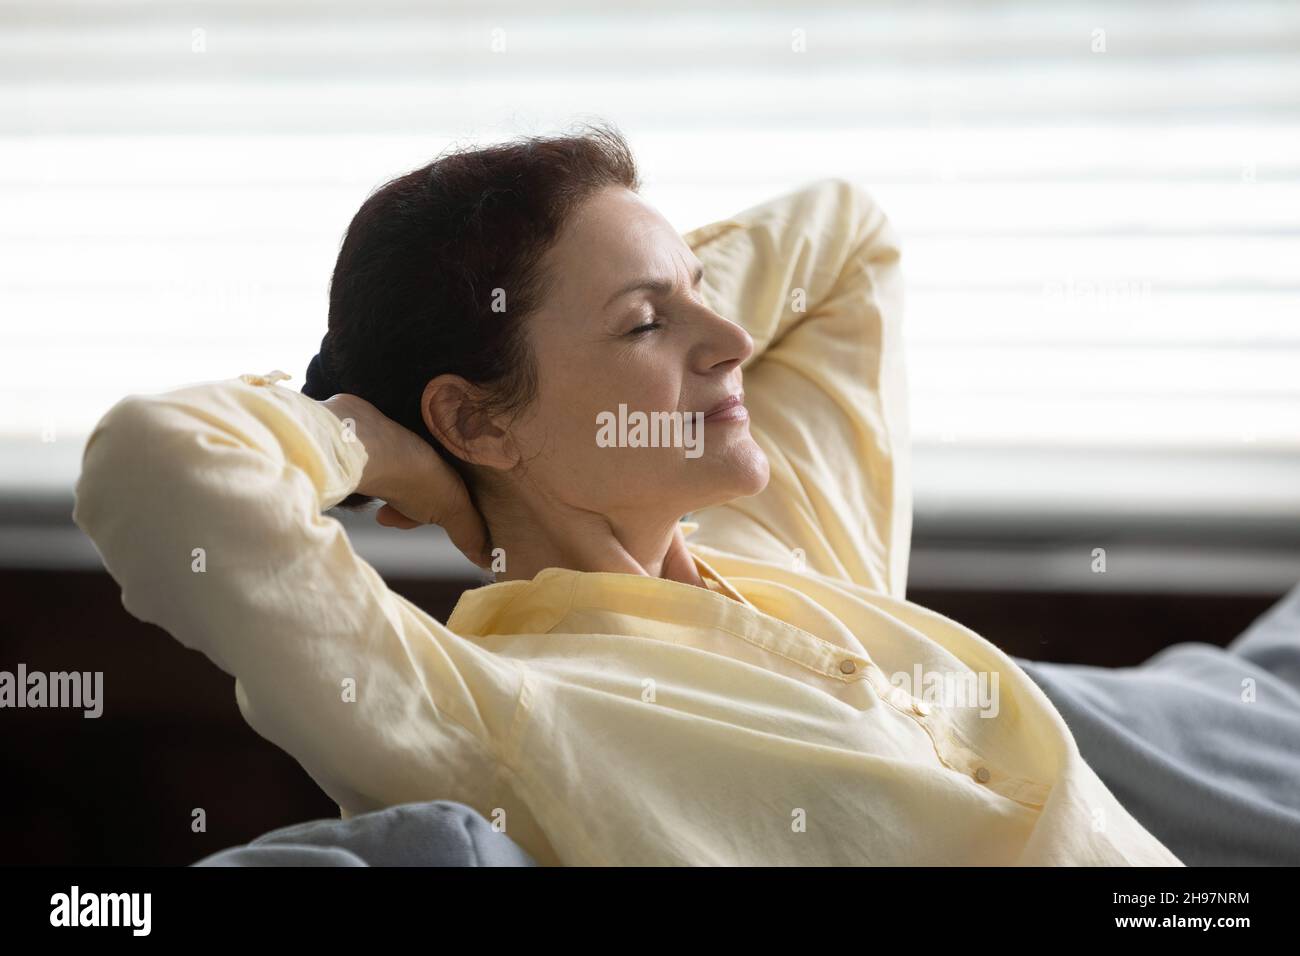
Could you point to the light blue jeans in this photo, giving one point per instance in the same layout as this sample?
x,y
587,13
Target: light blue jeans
x,y
1200,743
437,833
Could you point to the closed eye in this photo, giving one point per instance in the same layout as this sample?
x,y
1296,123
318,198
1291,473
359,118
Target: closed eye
x,y
646,327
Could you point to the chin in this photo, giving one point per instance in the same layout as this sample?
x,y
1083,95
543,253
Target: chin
x,y
752,471
739,473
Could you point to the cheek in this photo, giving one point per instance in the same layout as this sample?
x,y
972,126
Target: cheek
x,y
566,457
641,379
641,386
559,438
639,382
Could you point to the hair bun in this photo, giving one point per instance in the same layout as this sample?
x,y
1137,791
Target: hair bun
x,y
318,384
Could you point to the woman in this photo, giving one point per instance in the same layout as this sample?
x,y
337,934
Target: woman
x,y
631,689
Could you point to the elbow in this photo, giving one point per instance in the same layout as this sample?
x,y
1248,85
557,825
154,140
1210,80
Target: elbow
x,y
845,193
129,466
863,211
135,499
106,463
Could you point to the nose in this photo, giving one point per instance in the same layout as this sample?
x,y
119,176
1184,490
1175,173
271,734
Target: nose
x,y
723,344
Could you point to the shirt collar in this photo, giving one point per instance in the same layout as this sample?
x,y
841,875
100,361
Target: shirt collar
x,y
483,610
714,580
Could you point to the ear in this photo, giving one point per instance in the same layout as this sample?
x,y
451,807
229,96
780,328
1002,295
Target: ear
x,y
450,408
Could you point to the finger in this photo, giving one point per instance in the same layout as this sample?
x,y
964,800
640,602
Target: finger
x,y
390,517
465,526
471,541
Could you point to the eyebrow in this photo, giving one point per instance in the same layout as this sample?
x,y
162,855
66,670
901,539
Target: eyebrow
x,y
661,286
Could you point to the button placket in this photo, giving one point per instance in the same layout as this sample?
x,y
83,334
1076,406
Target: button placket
x,y
973,765
952,754
891,694
961,757
938,726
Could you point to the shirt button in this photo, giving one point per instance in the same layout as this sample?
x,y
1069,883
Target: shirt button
x,y
982,774
921,707
847,666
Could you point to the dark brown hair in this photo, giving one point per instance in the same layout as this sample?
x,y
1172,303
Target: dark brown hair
x,y
429,252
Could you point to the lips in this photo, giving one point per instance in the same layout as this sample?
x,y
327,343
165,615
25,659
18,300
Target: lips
x,y
726,407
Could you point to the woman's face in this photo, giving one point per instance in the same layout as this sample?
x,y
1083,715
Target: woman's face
x,y
626,325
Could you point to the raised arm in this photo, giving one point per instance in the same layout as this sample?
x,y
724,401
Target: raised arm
x,y
813,276
206,503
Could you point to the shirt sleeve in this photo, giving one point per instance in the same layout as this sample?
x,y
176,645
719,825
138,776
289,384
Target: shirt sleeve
x,y
813,276
206,504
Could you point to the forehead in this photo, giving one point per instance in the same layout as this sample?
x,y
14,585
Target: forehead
x,y
613,237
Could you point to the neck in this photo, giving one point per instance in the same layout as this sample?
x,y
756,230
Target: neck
x,y
533,539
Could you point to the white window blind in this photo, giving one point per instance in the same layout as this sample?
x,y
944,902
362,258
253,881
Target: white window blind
x,y
1099,204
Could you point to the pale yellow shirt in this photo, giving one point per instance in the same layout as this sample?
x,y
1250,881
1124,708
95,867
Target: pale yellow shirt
x,y
604,718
